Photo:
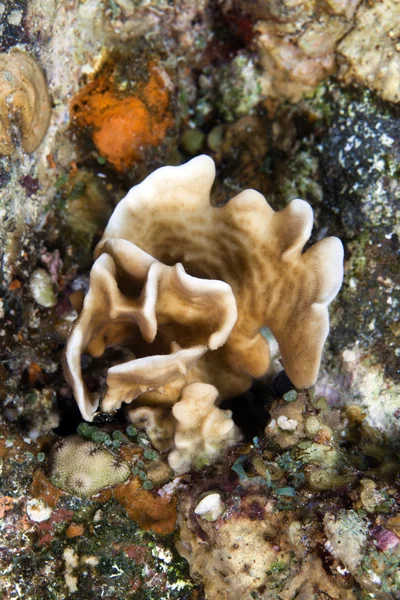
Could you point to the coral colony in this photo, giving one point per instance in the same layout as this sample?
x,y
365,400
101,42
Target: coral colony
x,y
193,307
186,288
23,89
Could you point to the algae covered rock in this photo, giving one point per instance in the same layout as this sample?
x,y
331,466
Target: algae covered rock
x,y
239,88
308,510
252,550
56,545
372,556
359,153
88,207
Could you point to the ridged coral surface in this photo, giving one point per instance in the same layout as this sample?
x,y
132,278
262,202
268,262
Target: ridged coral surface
x,y
24,100
242,259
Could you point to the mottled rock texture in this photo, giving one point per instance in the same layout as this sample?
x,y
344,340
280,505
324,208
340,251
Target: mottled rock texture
x,y
333,481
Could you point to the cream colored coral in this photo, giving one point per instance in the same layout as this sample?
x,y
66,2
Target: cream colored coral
x,y
196,428
84,468
243,269
23,97
169,298
202,429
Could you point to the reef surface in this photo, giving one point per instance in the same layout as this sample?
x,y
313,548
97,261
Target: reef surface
x,y
287,100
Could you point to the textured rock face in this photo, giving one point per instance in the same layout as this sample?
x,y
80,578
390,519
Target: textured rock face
x,y
296,42
56,545
359,154
315,490
242,556
267,532
371,52
347,535
300,44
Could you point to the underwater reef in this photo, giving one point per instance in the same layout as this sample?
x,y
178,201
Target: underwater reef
x,y
199,299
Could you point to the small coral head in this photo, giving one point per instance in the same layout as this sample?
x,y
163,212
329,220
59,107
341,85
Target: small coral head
x,y
84,468
187,286
24,99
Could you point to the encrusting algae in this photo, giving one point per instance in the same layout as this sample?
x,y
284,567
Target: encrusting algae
x,y
124,122
149,511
